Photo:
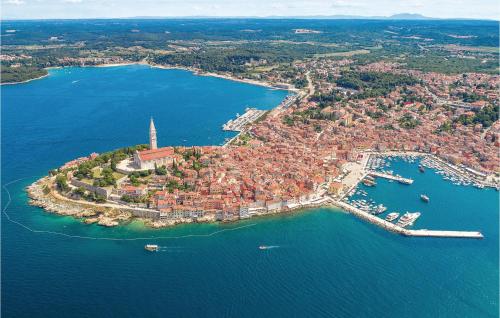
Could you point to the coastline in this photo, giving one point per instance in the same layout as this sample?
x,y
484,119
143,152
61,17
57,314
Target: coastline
x,y
27,81
112,214
195,71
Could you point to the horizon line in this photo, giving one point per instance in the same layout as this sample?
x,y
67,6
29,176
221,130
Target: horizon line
x,y
397,16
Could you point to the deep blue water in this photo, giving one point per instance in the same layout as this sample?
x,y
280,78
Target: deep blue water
x,y
328,263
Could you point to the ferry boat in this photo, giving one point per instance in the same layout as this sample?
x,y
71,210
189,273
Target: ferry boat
x,y
392,216
424,198
408,219
151,247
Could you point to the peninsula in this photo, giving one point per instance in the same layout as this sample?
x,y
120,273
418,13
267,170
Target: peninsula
x,y
311,150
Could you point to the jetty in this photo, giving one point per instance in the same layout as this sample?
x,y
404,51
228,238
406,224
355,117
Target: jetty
x,y
238,124
456,234
402,231
390,177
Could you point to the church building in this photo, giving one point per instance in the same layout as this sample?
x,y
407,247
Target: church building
x,y
147,159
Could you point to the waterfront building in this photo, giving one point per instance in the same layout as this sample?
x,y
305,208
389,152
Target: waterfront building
x,y
154,156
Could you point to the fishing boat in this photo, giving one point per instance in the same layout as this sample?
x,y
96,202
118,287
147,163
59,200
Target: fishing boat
x,y
392,216
151,247
424,198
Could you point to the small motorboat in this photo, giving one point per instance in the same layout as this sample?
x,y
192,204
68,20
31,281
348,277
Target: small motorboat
x,y
424,198
263,247
151,247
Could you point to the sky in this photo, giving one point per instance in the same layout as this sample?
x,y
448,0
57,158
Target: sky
x,y
75,9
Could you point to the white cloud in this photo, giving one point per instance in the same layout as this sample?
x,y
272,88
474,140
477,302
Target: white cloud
x,y
345,4
15,2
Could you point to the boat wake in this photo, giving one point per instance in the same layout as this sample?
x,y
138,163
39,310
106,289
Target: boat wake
x,y
26,227
268,247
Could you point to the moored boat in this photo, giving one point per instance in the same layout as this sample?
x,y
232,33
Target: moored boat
x,y
392,216
408,219
424,198
369,182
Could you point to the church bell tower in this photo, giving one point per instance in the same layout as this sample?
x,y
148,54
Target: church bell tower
x,y
152,135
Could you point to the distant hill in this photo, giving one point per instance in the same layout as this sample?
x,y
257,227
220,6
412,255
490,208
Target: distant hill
x,y
399,16
408,16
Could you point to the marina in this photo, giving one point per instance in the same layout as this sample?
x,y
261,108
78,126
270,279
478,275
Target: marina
x,y
238,124
457,174
359,202
401,230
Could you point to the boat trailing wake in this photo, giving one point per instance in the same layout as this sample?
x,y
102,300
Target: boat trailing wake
x,y
26,227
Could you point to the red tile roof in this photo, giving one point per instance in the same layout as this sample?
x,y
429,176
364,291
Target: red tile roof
x,y
147,155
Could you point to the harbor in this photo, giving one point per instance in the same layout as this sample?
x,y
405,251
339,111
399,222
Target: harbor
x,y
238,124
361,176
401,230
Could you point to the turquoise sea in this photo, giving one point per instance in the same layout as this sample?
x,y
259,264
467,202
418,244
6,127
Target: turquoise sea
x,y
325,264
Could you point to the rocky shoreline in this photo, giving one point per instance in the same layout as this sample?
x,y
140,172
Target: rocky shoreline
x,y
42,194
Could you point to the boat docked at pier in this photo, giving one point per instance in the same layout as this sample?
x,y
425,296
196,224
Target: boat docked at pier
x,y
392,216
369,181
405,181
408,219
379,209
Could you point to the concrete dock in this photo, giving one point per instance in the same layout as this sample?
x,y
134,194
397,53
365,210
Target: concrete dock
x,y
456,234
240,122
390,177
400,230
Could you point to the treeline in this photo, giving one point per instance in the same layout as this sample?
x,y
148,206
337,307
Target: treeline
x,y
238,56
486,117
11,74
111,158
155,32
373,84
